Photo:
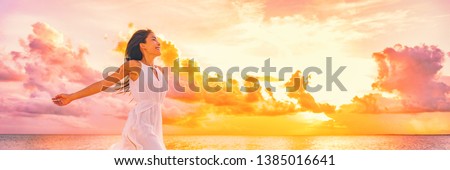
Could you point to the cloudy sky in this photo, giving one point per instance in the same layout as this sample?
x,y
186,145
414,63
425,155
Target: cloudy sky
x,y
396,55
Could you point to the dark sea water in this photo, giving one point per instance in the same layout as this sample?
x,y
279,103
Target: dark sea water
x,y
100,142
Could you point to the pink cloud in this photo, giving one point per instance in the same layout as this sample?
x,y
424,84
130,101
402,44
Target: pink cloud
x,y
411,73
9,74
47,65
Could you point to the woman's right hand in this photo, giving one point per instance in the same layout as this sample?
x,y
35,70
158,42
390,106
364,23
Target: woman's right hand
x,y
62,99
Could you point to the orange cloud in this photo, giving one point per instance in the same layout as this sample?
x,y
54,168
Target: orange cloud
x,y
306,100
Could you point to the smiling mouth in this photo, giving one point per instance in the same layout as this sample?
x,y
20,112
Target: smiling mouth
x,y
158,48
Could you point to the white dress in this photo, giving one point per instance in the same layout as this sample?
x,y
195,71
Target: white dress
x,y
143,128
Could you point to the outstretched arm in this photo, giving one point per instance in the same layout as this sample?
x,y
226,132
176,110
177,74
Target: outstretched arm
x,y
119,74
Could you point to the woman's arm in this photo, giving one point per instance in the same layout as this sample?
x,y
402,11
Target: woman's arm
x,y
64,99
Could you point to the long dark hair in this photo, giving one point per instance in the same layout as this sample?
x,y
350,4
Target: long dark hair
x,y
133,52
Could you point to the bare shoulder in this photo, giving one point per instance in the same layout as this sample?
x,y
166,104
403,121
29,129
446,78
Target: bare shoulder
x,y
132,65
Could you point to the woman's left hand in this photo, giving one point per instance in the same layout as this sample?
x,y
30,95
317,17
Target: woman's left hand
x,y
62,99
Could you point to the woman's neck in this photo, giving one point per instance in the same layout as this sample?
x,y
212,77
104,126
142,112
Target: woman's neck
x,y
147,61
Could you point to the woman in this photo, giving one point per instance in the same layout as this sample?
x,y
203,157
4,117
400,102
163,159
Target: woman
x,y
143,129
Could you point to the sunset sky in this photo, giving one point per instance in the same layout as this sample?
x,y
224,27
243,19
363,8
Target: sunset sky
x,y
396,53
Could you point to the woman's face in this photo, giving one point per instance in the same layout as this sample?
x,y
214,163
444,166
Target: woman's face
x,y
151,45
